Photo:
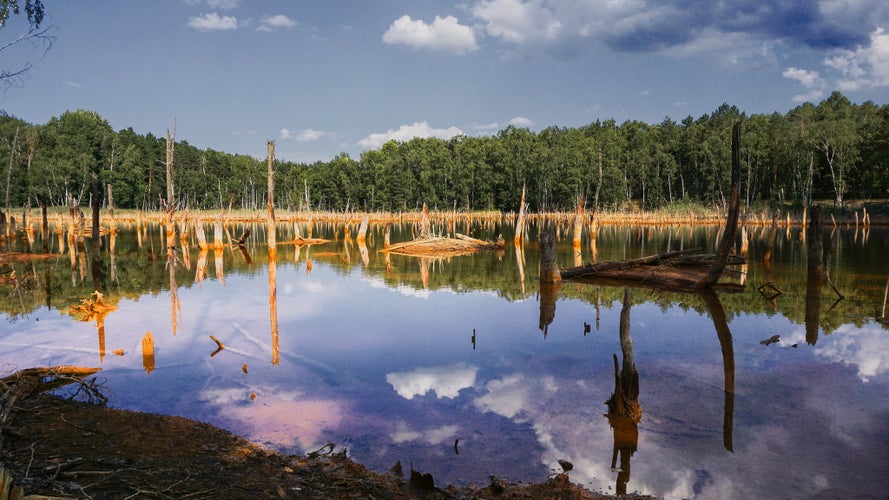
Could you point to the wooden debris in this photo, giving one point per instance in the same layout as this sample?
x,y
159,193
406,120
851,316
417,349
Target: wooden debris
x,y
443,246
92,307
774,339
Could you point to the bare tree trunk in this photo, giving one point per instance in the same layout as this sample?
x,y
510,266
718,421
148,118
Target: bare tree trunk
x,y
731,222
578,224
549,269
171,142
270,204
520,224
15,139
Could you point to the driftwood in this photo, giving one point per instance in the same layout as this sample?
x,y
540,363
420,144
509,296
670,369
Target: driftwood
x,y
443,246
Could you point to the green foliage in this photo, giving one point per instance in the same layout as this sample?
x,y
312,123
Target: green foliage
x,y
816,151
33,10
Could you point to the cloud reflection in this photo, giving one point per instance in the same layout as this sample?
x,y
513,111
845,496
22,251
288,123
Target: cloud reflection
x,y
281,418
866,347
445,381
562,428
436,436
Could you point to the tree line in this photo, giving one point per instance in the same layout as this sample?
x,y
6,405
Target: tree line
x,y
830,150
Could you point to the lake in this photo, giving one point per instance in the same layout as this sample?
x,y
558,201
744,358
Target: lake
x,y
464,369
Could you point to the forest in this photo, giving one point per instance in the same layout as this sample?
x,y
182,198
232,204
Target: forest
x,y
832,150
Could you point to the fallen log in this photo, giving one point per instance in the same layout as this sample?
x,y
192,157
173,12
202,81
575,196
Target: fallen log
x,y
656,259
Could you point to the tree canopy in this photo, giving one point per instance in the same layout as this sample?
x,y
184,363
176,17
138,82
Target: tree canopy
x,y
830,150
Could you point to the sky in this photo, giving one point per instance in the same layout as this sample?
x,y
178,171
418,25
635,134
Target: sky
x,y
323,77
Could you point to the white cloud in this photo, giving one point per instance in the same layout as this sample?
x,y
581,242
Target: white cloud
x,y
864,66
270,23
445,381
445,34
213,22
307,135
520,121
408,132
808,79
517,22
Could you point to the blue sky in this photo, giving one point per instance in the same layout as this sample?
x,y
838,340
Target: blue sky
x,y
322,77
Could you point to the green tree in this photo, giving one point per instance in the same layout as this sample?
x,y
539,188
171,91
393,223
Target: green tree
x,y
836,137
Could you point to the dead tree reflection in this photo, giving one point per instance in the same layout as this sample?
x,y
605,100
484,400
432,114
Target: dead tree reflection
x,y
550,278
815,277
720,322
624,410
273,293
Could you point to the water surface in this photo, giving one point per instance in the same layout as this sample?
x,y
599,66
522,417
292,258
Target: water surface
x,y
459,367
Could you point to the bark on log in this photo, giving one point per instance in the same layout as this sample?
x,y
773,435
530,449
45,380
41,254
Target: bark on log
x,y
624,264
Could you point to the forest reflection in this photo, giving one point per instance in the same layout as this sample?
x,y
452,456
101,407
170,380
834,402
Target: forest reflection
x,y
102,261
334,332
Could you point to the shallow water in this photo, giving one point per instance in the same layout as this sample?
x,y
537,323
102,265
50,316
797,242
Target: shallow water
x,y
378,357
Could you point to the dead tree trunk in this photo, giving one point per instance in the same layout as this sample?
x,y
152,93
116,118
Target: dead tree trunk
x,y
578,224
731,222
549,269
171,141
12,152
271,195
520,224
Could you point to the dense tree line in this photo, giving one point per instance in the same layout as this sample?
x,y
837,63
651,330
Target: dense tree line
x,y
831,150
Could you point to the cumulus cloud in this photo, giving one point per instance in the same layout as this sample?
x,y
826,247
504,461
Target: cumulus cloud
x,y
444,34
270,23
307,135
520,121
655,25
408,132
516,21
444,381
808,79
213,22
864,66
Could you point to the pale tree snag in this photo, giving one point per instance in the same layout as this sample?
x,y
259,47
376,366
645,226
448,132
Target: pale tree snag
x,y
171,142
520,224
270,203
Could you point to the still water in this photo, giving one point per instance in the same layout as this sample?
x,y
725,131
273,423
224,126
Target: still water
x,y
458,366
